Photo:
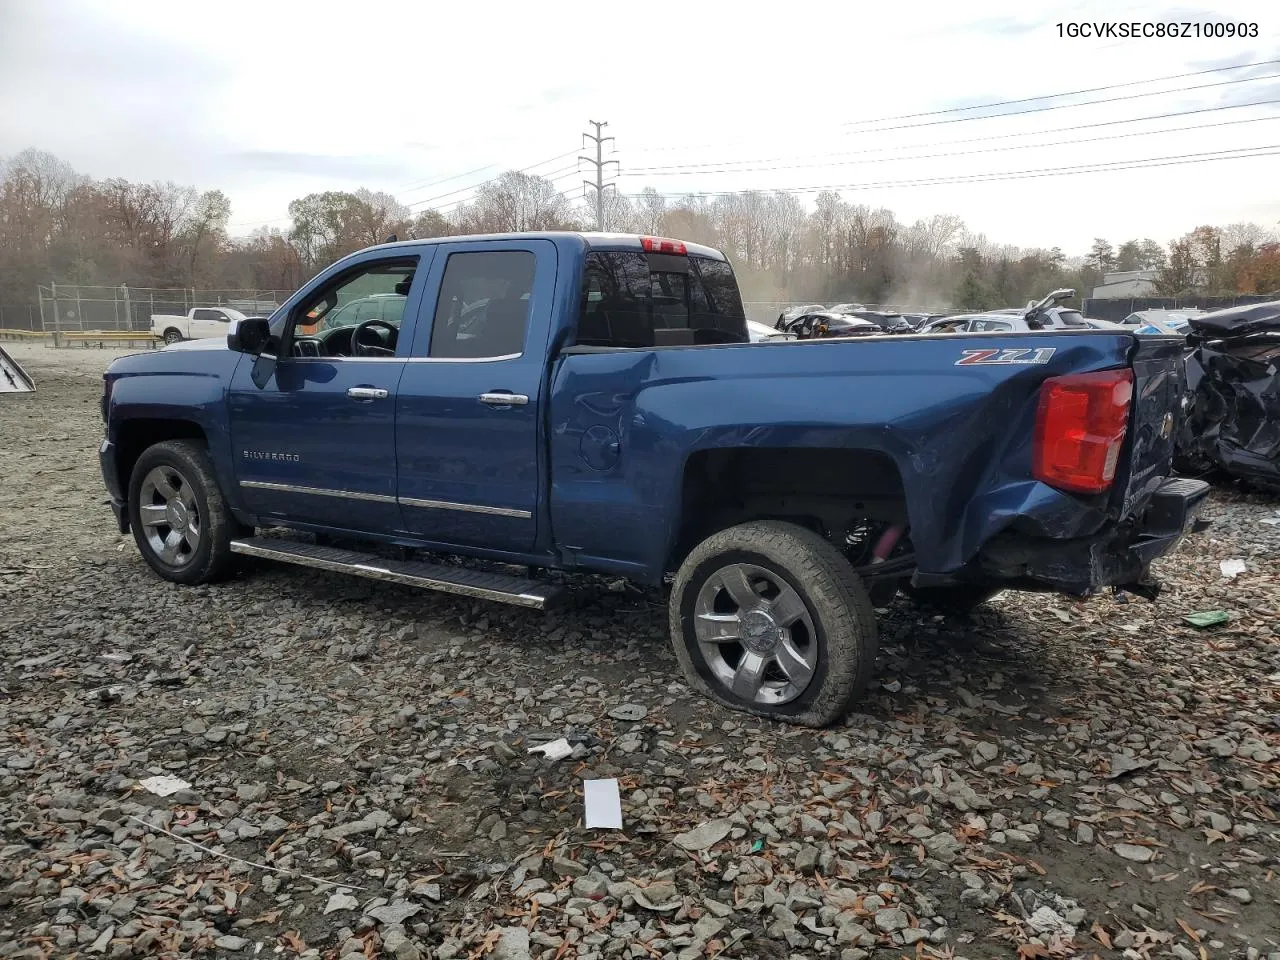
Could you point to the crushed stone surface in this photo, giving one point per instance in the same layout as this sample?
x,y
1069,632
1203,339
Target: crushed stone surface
x,y
1047,779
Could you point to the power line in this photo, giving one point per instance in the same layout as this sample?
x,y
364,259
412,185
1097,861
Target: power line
x,y
970,153
564,174
421,184
1071,93
599,162
490,166
473,186
1240,153
1048,96
416,203
724,166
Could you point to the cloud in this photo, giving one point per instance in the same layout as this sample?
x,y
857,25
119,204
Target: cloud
x,y
1004,26
316,164
270,101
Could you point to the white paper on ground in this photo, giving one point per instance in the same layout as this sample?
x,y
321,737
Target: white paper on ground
x,y
604,805
1232,567
555,750
163,786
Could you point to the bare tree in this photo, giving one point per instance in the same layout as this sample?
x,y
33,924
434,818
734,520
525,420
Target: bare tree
x,y
516,202
206,225
650,209
58,225
379,215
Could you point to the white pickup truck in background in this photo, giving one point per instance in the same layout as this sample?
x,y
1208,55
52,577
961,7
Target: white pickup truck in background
x,y
200,323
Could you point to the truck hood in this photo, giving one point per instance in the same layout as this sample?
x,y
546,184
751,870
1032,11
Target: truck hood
x,y
210,358
208,343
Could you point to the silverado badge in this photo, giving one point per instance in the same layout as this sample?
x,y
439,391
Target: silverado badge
x,y
269,455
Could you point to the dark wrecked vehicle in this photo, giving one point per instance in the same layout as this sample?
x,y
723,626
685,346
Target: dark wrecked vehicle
x,y
887,321
824,324
1232,406
788,316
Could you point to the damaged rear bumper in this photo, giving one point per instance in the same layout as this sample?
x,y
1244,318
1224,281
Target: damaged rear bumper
x,y
1080,567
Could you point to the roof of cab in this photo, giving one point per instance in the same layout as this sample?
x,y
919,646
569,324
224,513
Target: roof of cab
x,y
592,240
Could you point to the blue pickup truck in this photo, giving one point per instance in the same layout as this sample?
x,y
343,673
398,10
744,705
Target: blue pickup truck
x,y
593,403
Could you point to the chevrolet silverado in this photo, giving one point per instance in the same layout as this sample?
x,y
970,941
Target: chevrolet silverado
x,y
592,403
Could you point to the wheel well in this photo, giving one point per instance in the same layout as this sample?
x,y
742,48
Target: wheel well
x,y
134,436
823,489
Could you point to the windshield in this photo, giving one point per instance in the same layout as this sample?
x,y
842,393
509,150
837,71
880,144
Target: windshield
x,y
389,308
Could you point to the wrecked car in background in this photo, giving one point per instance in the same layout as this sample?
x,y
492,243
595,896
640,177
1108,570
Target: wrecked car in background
x,y
760,332
13,379
824,324
1161,322
1232,408
786,317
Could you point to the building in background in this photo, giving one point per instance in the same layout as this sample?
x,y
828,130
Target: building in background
x,y
1126,283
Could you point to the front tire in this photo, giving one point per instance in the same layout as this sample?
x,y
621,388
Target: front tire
x,y
178,516
770,619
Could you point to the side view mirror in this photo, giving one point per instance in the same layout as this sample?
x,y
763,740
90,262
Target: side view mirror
x,y
250,336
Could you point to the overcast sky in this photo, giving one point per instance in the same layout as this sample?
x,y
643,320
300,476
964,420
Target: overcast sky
x,y
271,100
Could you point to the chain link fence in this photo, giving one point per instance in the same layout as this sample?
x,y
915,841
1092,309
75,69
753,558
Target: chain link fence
x,y
19,316
69,307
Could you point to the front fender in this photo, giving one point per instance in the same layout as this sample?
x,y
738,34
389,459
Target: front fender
x,y
168,385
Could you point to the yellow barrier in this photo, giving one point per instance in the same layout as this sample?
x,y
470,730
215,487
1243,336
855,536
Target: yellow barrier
x,y
104,337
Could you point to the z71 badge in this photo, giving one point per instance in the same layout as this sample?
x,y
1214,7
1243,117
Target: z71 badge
x,y
969,358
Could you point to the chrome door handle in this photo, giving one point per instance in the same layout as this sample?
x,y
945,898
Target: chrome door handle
x,y
367,393
504,399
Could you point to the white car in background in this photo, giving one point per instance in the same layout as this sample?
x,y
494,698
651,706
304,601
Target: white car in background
x,y
1161,322
759,332
200,323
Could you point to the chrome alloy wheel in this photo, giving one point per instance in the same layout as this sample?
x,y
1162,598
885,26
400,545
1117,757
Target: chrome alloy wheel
x,y
756,634
170,515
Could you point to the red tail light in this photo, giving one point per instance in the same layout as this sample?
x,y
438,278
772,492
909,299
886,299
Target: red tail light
x,y
1080,429
663,245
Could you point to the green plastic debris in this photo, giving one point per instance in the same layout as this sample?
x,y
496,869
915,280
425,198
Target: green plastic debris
x,y
1207,618
757,846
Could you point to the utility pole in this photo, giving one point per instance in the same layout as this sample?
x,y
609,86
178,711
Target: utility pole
x,y
599,162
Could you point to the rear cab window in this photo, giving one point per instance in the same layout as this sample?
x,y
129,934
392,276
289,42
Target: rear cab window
x,y
638,299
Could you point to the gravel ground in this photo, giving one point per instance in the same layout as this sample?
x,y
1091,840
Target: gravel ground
x,y
1049,780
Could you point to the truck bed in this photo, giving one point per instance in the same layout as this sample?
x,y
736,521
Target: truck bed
x,y
954,415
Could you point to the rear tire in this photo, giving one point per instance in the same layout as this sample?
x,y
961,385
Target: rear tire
x,y
770,619
958,601
178,516
173,336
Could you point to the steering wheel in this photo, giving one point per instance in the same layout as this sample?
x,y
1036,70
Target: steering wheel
x,y
361,349
308,347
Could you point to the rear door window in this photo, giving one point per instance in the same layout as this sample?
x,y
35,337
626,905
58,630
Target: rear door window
x,y
628,296
483,307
